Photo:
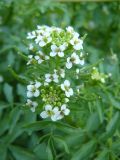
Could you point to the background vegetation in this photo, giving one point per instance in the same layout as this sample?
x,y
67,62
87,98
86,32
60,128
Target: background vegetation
x,y
97,136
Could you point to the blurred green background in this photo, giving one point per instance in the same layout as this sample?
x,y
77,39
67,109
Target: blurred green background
x,y
101,23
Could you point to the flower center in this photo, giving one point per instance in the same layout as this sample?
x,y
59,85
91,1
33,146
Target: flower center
x,y
53,95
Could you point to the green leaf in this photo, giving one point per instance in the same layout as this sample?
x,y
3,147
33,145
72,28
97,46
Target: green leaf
x,y
11,136
44,124
36,126
61,141
14,117
49,152
50,149
4,124
8,91
21,153
85,152
3,152
116,146
40,151
100,112
104,155
113,101
112,125
93,122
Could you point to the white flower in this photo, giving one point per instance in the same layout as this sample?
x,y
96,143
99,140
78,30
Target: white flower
x,y
30,46
70,29
44,30
74,59
31,35
51,77
30,59
64,111
66,87
60,72
49,112
76,43
32,90
56,29
41,57
82,62
48,78
55,78
43,40
57,50
72,32
32,104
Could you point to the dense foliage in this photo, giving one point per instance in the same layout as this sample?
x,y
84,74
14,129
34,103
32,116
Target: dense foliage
x,y
92,130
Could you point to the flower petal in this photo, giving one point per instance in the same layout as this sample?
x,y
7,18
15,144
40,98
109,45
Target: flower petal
x,y
66,111
63,107
29,94
48,107
44,114
71,91
32,109
53,47
69,65
42,43
61,54
37,84
67,83
37,93
53,54
62,87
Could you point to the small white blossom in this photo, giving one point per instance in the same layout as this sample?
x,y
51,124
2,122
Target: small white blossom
x,y
32,90
53,113
63,112
31,35
66,87
76,43
60,72
30,46
56,29
41,57
51,77
57,50
55,78
43,40
30,59
74,59
48,78
69,29
32,105
82,61
72,32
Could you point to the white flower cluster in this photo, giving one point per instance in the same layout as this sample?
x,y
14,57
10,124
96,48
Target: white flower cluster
x,y
59,40
55,113
59,51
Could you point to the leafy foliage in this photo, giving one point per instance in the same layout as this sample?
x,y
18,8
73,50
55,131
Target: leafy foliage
x,y
93,129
